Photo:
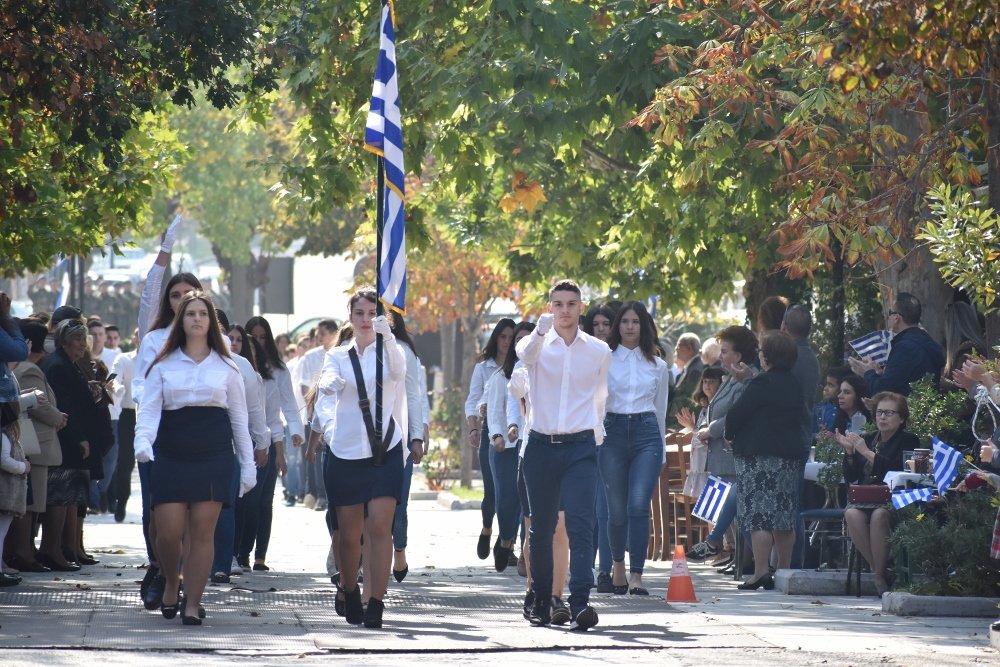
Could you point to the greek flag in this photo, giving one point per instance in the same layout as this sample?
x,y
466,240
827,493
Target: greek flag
x,y
874,345
946,460
711,500
384,137
901,499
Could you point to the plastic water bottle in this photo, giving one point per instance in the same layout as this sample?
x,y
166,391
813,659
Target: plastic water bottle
x,y
858,423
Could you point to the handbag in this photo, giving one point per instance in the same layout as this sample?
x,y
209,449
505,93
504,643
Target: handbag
x,y
873,495
28,437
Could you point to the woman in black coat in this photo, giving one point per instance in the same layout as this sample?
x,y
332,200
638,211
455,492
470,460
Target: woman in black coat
x,y
765,428
68,483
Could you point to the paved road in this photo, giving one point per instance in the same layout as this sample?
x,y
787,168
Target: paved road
x,y
452,609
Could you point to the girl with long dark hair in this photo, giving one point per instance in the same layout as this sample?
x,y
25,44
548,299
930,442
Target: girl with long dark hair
x,y
490,360
193,410
633,451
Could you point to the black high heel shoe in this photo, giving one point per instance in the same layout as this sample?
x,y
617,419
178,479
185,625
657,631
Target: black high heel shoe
x,y
189,620
767,581
373,614
354,611
170,610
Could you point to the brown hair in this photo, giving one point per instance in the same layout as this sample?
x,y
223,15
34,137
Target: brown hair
x,y
771,313
780,350
743,341
178,339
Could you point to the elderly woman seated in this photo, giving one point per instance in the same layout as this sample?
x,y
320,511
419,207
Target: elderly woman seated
x,y
867,459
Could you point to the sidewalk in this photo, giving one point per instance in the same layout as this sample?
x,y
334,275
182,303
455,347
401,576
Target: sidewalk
x,y
450,605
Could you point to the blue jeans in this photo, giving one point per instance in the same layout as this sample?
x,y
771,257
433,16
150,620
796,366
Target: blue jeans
x,y
726,516
561,474
259,510
400,521
225,529
630,461
108,464
601,528
489,506
504,466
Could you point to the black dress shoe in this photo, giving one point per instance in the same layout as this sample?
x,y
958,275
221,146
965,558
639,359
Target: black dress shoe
x,y
154,594
766,581
9,579
120,512
373,614
399,575
188,620
50,563
483,547
354,611
501,556
87,559
25,565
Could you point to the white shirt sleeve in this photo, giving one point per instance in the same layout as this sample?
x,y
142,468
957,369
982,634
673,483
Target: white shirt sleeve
x,y
662,396
289,408
149,301
147,421
476,387
414,406
236,405
601,397
272,410
253,387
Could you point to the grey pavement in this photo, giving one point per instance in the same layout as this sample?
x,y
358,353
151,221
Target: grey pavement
x,y
452,609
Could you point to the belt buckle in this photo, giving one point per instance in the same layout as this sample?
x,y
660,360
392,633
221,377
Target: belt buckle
x,y
554,439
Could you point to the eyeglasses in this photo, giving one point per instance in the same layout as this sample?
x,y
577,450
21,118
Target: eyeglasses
x,y
893,312
886,413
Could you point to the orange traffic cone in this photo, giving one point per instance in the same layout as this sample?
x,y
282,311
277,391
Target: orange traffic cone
x,y
680,588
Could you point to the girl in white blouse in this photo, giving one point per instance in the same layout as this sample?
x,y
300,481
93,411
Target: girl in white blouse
x,y
634,448
193,410
355,481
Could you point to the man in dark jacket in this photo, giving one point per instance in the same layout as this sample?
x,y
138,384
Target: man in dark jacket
x,y
914,353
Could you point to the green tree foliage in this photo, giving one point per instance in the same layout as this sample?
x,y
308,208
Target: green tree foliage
x,y
79,154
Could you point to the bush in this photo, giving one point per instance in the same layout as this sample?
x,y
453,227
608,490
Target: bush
x,y
949,544
935,414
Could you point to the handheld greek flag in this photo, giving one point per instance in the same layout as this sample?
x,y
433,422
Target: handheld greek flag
x,y
901,499
874,345
711,500
384,137
946,460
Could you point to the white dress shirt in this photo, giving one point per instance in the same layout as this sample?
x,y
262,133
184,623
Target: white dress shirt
x,y
477,386
338,412
636,384
568,384
425,402
253,390
121,386
517,390
309,367
289,408
179,381
496,408
149,348
414,406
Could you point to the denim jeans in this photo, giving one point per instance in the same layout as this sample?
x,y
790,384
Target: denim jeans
x,y
108,464
601,528
563,474
400,521
504,466
259,510
630,461
489,506
225,529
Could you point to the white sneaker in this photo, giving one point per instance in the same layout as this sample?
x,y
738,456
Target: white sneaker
x,y
235,568
309,501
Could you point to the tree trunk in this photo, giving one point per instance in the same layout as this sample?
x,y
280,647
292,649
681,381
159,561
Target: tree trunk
x,y
762,283
240,292
993,172
470,350
451,370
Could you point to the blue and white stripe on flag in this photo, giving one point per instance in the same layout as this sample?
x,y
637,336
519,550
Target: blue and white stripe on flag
x,y
946,460
901,499
874,345
711,500
384,137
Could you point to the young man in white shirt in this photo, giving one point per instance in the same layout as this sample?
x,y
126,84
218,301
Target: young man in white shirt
x,y
568,386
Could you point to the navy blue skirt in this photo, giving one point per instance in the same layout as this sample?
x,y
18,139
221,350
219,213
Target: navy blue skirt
x,y
193,457
356,481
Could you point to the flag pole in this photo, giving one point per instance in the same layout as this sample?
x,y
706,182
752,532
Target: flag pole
x,y
379,453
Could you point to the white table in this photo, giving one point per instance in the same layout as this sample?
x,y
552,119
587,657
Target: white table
x,y
897,479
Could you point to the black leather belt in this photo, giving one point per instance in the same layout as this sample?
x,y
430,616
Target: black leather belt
x,y
563,438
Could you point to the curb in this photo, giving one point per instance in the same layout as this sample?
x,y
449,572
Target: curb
x,y
907,604
449,500
821,582
995,635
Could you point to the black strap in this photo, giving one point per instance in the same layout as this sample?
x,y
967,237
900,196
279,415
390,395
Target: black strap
x,y
378,452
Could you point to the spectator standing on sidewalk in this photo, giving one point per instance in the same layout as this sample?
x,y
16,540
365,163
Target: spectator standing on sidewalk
x,y
568,385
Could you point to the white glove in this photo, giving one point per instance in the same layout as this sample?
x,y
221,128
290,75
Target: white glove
x,y
144,455
248,480
332,384
170,235
381,326
544,324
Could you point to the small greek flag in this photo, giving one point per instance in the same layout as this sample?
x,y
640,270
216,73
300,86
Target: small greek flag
x,y
711,500
874,345
384,137
901,499
946,460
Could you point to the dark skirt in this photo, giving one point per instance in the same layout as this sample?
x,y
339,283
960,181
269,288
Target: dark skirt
x,y
356,481
67,487
767,492
193,457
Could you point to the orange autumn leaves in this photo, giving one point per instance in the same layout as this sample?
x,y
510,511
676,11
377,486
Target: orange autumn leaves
x,y
526,194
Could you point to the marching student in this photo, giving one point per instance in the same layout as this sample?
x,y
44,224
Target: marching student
x,y
634,447
363,491
568,385
192,412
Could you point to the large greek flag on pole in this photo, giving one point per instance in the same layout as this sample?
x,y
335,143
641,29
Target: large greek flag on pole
x,y
946,460
384,137
711,500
